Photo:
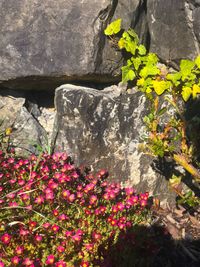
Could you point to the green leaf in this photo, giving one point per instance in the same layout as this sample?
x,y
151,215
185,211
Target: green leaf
x,y
130,47
197,61
161,86
186,93
195,90
134,35
142,50
149,70
174,77
136,62
162,111
152,59
186,67
113,28
127,74
121,43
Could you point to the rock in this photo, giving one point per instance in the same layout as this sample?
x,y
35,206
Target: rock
x,y
101,129
174,29
26,133
46,43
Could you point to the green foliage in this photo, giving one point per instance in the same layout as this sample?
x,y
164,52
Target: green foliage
x,y
113,28
165,124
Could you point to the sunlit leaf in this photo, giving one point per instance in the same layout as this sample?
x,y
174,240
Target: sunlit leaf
x,y
121,43
136,62
174,77
160,86
149,70
186,67
127,74
186,93
197,61
142,50
113,28
195,90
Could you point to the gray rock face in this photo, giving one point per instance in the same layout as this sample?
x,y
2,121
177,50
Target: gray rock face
x,y
26,131
101,129
174,29
47,42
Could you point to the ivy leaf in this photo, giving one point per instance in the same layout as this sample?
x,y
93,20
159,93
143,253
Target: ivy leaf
x,y
160,86
113,28
195,90
142,50
149,70
140,82
134,35
197,61
127,74
174,77
152,59
186,93
136,62
130,47
186,67
121,43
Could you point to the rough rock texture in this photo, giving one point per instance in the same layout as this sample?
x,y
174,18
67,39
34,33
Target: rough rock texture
x,y
26,131
174,28
101,129
47,42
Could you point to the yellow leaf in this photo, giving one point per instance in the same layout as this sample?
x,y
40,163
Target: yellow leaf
x,y
186,93
140,82
8,131
113,28
148,91
160,86
121,43
195,90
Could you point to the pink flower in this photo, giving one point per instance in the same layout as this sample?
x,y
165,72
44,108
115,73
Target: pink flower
x,y
120,206
76,237
15,260
63,217
28,262
55,212
55,228
71,198
50,259
68,233
85,264
38,238
129,191
61,264
23,232
46,225
143,202
60,249
89,246
19,250
93,199
2,264
39,200
96,235
6,238
65,193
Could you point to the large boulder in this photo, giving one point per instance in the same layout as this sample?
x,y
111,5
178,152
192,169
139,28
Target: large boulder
x,y
44,43
102,129
174,29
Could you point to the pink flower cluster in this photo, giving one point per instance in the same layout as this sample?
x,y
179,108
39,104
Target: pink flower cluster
x,y
54,214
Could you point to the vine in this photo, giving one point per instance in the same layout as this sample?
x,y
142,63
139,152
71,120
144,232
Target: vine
x,y
168,91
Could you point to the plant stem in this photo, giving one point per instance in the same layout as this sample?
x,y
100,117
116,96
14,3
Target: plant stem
x,y
181,160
